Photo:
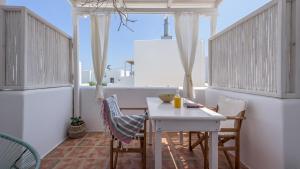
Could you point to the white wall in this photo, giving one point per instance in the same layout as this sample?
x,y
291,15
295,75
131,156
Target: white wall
x,y
270,137
46,117
11,113
39,117
90,109
291,136
85,76
157,63
127,96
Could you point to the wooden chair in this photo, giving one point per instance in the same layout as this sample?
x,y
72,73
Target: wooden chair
x,y
116,145
234,110
123,129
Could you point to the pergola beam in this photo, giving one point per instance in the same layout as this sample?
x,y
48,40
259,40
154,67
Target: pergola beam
x,y
170,3
201,11
150,3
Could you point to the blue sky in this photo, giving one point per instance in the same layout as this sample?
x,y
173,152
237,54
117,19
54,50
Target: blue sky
x,y
58,12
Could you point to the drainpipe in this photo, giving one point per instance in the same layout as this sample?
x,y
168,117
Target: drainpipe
x,y
2,2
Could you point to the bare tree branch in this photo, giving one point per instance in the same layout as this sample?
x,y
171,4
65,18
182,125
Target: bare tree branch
x,y
119,7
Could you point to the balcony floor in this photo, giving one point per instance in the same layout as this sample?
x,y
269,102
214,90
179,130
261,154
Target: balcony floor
x,y
92,152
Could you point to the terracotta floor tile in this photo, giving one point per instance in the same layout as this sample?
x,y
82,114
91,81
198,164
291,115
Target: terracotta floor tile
x,y
69,164
80,152
103,142
71,142
168,152
88,142
94,164
92,152
99,153
186,154
94,135
129,164
59,152
49,163
170,164
191,164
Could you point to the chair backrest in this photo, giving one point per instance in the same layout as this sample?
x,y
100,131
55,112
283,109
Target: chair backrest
x,y
231,107
111,110
15,153
123,127
113,106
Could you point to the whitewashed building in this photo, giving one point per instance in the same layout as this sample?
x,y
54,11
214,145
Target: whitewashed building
x,y
157,63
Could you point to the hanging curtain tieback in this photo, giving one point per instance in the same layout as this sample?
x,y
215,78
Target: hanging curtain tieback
x,y
189,78
99,91
99,87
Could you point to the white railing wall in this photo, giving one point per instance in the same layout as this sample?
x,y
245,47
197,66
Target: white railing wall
x,y
2,51
252,55
36,54
48,51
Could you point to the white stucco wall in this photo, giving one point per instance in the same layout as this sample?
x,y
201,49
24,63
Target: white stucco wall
x,y
39,117
46,117
157,63
270,133
269,139
127,97
11,113
291,136
85,76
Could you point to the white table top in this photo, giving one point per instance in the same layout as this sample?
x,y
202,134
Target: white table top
x,y
166,111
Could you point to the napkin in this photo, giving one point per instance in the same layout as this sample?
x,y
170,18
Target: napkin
x,y
191,104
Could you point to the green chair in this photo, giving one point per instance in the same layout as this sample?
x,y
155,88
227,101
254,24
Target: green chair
x,y
16,154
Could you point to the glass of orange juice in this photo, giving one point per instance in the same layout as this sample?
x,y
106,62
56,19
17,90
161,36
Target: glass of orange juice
x,y
177,100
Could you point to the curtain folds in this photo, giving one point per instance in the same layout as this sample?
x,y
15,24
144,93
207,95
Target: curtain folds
x,y
186,29
99,40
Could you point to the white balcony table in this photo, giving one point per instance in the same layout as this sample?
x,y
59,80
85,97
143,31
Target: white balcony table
x,y
166,118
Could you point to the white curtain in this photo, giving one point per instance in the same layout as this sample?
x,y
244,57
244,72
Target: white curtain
x,y
187,28
99,36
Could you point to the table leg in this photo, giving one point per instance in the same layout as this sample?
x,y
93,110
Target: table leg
x,y
181,137
150,132
213,150
158,153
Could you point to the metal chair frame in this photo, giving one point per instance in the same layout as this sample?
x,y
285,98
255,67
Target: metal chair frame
x,y
24,145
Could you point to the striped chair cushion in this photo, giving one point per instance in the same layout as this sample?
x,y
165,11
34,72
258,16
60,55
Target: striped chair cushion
x,y
123,127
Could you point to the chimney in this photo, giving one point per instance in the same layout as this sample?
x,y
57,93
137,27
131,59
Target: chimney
x,y
166,29
2,2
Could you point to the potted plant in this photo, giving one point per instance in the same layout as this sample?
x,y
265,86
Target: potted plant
x,y
92,83
77,128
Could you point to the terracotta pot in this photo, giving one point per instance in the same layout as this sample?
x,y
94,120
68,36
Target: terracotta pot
x,y
77,131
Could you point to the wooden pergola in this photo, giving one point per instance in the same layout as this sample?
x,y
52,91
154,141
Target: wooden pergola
x,y
207,8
